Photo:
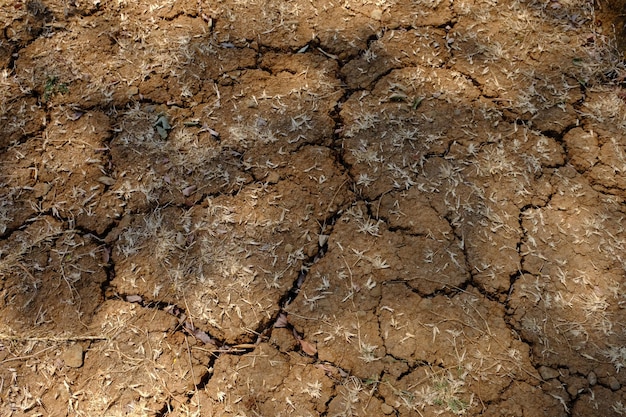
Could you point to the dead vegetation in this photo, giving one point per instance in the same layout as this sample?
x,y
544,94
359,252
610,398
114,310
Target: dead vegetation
x,y
368,208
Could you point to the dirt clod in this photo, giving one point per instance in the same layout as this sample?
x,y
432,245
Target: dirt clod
x,y
73,356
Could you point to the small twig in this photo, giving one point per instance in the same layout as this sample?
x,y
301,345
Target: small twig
x,y
193,375
244,347
50,339
19,358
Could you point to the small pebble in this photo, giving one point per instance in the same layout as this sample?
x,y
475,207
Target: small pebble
x,y
273,178
376,14
73,356
386,409
592,378
614,383
548,373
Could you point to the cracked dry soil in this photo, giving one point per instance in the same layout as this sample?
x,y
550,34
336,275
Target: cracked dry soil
x,y
312,208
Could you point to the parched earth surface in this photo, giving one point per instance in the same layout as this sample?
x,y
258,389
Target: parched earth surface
x,y
312,208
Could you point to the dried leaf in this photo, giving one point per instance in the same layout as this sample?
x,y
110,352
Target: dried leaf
x,y
187,191
281,321
162,132
332,371
106,180
398,97
212,132
75,115
134,298
189,326
173,310
106,255
163,123
203,337
417,102
308,347
296,334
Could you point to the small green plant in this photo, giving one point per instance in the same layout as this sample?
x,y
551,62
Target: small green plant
x,y
457,406
52,87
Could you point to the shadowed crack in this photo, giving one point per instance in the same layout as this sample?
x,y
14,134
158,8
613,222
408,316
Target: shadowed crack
x,y
327,227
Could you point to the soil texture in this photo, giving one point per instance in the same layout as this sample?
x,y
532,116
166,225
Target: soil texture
x,y
312,208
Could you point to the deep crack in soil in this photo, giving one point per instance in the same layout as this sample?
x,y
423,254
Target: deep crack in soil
x,y
278,208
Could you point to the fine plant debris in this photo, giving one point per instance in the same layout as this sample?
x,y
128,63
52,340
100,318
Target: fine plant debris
x,y
270,208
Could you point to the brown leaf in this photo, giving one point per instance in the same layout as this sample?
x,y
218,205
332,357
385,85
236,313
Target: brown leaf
x,y
296,334
203,337
332,371
134,298
187,191
281,321
308,347
106,255
187,324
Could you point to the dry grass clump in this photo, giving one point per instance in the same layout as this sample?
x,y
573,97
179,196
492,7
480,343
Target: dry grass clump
x,y
220,262
62,172
576,284
141,353
109,62
29,372
606,107
439,391
49,272
470,356
538,55
13,252
6,207
171,163
19,113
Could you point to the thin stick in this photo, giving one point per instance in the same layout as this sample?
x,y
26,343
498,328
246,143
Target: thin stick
x,y
19,358
50,339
